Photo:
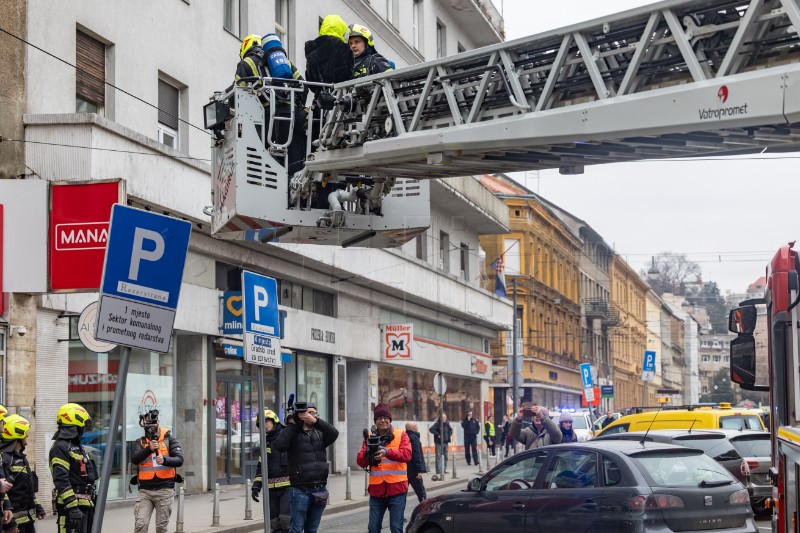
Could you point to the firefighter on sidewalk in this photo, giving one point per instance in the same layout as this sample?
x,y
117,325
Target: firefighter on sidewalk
x,y
74,473
278,472
22,497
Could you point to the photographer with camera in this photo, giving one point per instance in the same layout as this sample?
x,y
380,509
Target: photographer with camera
x,y
157,455
533,427
385,453
304,439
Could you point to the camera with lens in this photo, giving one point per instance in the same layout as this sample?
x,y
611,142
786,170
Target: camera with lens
x,y
375,442
149,421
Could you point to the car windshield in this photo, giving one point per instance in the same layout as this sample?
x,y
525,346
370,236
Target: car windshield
x,y
578,421
741,422
677,470
719,449
753,446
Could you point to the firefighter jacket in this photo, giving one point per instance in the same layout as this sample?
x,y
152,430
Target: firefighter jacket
x,y
370,62
22,497
277,463
253,65
153,476
74,473
390,476
328,57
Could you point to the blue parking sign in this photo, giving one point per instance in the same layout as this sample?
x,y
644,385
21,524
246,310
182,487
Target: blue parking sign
x,y
586,378
649,366
261,320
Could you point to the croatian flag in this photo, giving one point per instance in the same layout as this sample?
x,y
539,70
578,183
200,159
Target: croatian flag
x,y
500,277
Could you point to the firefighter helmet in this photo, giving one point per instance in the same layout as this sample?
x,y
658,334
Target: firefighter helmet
x,y
72,414
269,414
3,412
248,43
16,428
357,30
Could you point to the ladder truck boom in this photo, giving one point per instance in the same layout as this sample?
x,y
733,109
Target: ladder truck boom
x,y
675,79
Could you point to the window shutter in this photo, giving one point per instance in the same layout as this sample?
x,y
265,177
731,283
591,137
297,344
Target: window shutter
x,y
167,105
90,63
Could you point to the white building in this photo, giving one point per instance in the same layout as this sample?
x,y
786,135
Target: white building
x,y
173,58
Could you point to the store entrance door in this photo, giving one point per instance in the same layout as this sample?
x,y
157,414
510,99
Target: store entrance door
x,y
233,433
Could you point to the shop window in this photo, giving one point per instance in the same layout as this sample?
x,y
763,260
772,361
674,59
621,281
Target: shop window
x,y
405,392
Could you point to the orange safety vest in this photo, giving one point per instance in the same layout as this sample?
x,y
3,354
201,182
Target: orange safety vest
x,y
150,469
389,471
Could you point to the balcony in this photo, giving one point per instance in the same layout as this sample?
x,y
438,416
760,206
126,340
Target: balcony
x,y
613,319
596,308
479,18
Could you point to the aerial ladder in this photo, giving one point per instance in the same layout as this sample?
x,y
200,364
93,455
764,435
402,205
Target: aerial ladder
x,y
675,79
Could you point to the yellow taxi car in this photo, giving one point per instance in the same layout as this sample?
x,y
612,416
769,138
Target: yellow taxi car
x,y
724,416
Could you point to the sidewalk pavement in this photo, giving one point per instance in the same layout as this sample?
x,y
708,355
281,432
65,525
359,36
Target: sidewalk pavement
x,y
198,508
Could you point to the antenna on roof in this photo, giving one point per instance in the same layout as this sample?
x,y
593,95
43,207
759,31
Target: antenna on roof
x,y
644,437
693,423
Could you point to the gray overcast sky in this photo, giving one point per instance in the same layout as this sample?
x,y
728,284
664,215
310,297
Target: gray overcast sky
x,y
685,207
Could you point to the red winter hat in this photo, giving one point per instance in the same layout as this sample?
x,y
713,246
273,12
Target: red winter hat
x,y
381,410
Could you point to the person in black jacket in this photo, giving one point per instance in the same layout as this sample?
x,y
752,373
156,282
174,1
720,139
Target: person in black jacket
x,y
416,467
278,472
366,59
304,439
472,429
158,454
441,442
328,58
22,496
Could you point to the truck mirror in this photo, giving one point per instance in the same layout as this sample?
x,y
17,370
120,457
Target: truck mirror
x,y
743,360
743,319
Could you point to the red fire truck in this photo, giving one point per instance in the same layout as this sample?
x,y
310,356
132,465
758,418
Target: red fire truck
x,y
783,355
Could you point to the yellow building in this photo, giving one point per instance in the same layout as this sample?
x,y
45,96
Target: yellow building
x,y
541,255
629,337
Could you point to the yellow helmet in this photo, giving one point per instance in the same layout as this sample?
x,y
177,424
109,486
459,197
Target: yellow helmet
x,y
16,428
249,42
3,412
72,414
269,414
357,30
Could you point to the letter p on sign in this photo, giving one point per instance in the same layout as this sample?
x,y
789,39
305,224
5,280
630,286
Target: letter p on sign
x,y
261,300
139,253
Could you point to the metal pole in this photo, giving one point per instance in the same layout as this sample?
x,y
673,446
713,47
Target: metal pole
x,y
441,457
427,459
215,511
348,494
454,466
108,456
366,482
644,393
179,517
514,369
263,448
248,507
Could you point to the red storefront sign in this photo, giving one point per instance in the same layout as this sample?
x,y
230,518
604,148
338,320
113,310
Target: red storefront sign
x,y
79,216
86,376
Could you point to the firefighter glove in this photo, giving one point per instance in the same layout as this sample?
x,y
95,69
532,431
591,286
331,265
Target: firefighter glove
x,y
74,519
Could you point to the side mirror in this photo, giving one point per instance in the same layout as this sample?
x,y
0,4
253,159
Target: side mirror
x,y
743,360
475,484
742,320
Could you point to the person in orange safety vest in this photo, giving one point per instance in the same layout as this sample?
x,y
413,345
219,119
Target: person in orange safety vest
x,y
388,478
157,455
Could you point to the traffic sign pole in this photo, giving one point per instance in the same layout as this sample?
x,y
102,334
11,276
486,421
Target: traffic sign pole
x,y
263,449
108,455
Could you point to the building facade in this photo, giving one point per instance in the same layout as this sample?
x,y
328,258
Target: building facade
x,y
82,124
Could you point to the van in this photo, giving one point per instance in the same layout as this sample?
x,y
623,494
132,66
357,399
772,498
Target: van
x,y
691,418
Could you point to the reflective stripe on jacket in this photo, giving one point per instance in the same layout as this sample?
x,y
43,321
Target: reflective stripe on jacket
x,y
150,469
490,429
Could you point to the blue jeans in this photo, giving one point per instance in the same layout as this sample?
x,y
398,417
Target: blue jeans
x,y
305,514
439,457
377,508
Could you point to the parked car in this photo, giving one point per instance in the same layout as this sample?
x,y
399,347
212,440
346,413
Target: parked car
x,y
581,424
694,418
713,442
595,486
755,448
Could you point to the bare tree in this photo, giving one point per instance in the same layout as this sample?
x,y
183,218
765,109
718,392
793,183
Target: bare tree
x,y
674,271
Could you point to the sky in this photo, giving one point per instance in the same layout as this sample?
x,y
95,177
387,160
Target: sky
x,y
729,216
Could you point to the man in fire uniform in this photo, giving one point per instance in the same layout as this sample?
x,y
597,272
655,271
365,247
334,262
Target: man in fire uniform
x,y
74,473
22,497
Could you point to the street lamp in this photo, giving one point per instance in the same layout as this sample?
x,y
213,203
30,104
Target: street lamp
x,y
652,272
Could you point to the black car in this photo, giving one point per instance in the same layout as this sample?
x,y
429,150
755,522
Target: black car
x,y
608,486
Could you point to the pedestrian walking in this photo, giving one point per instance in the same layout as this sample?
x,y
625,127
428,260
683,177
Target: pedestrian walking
x,y
158,454
565,425
472,429
416,467
538,430
489,434
505,434
305,439
441,442
388,472
278,472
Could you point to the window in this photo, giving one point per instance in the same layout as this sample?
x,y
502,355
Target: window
x,y
422,246
717,359
511,256
553,376
90,74
705,358
282,20
612,475
230,16
464,257
441,39
572,469
391,16
416,22
519,475
168,114
444,251
308,299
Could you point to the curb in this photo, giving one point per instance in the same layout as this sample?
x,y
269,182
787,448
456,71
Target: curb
x,y
257,525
